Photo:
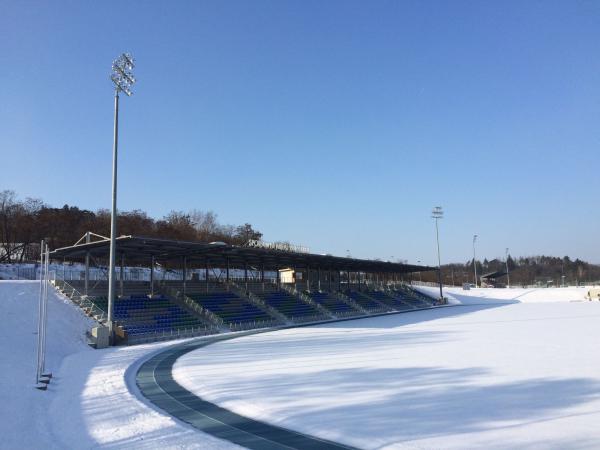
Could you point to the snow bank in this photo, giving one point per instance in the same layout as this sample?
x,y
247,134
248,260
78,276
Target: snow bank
x,y
91,400
478,376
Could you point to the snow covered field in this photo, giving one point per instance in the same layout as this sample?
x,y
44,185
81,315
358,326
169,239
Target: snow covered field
x,y
88,403
457,295
508,368
494,373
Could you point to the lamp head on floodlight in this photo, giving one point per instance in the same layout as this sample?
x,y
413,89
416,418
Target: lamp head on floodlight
x,y
122,73
437,213
475,238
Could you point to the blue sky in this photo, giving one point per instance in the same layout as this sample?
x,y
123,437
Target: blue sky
x,y
333,124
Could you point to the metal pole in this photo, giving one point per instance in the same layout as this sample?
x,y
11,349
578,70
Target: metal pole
x,y
475,260
43,317
87,265
227,273
206,274
45,313
122,274
319,278
113,224
437,235
39,334
152,276
184,273
507,274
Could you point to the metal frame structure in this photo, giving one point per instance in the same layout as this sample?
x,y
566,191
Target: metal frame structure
x,y
141,250
190,257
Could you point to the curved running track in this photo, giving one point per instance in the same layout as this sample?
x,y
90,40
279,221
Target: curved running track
x,y
155,381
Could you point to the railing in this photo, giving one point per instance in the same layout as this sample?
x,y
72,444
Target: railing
x,y
379,307
350,302
384,306
20,273
305,319
252,324
179,333
206,313
425,283
258,302
306,299
236,288
82,300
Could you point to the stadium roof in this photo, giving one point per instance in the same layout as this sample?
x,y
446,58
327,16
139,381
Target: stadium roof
x,y
141,249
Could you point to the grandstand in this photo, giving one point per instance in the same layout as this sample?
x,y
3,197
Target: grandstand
x,y
214,287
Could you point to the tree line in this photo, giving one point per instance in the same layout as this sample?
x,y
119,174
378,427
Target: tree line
x,y
24,223
523,271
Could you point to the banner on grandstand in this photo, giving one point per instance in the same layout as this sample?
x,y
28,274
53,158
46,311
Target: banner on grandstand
x,y
282,246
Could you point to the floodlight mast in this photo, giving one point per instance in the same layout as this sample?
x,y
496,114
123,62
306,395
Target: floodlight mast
x,y
437,214
123,79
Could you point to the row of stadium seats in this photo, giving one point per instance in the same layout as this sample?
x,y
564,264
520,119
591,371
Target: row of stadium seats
x,y
333,303
230,308
290,306
393,301
367,302
139,314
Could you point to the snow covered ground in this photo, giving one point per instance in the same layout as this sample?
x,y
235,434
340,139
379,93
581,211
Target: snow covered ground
x,y
88,403
504,370
457,295
507,368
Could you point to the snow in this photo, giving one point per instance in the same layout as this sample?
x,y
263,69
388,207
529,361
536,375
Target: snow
x,y
92,399
513,295
504,370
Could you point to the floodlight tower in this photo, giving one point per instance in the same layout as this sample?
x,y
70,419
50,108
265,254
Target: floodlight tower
x,y
123,79
475,259
507,274
437,214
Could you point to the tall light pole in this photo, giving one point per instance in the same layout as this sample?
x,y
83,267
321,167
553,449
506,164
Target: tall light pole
x,y
437,214
507,274
419,263
123,79
474,259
